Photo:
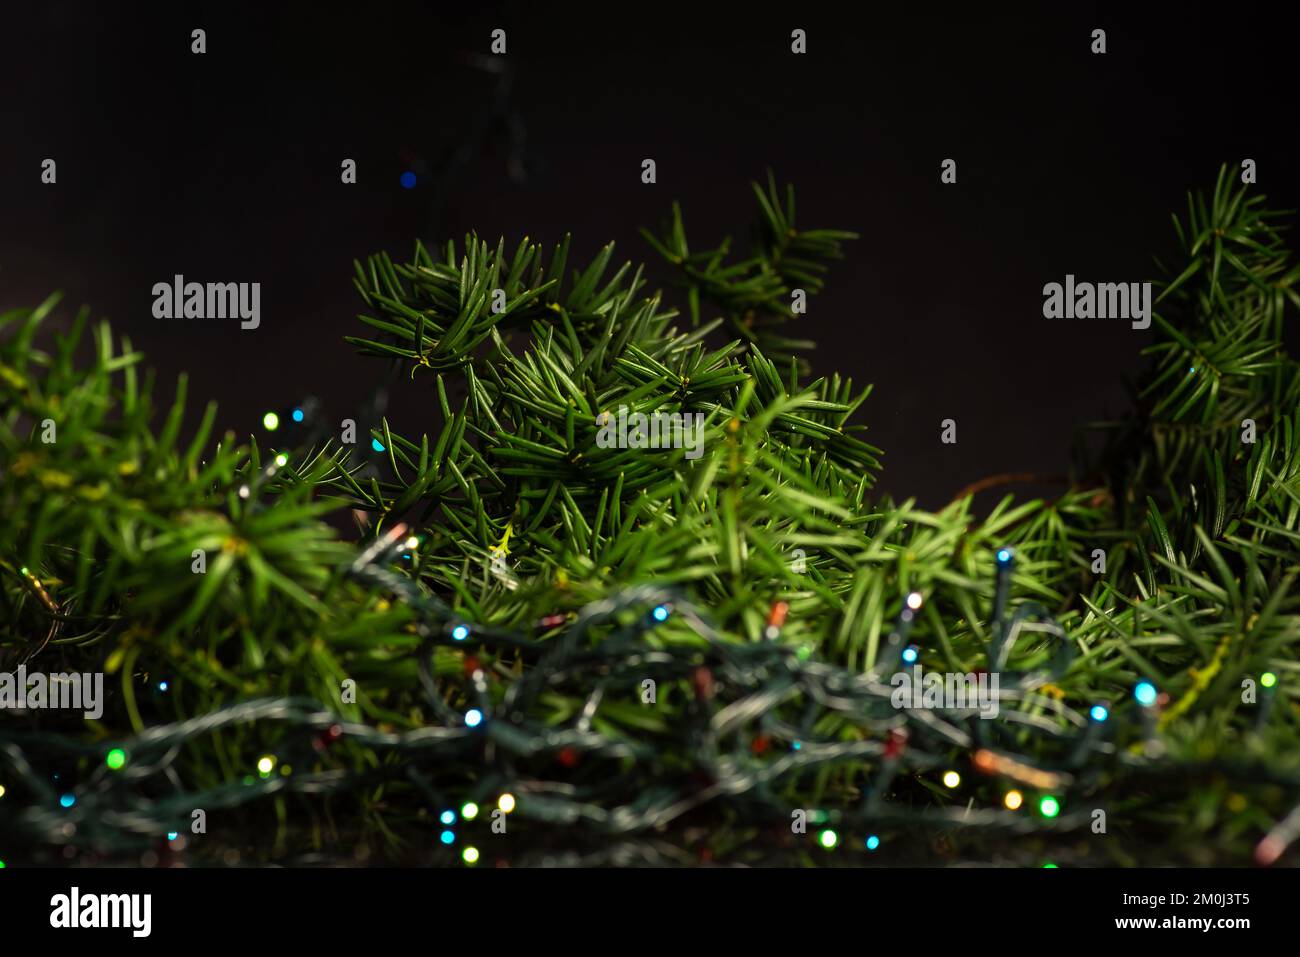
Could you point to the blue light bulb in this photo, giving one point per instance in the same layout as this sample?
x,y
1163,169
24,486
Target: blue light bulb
x,y
1145,693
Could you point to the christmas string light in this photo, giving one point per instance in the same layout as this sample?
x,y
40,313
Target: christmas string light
x,y
853,697
1276,841
776,620
990,762
1145,693
1004,559
902,628
1267,682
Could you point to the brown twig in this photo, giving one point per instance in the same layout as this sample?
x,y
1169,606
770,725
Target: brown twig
x,y
1011,478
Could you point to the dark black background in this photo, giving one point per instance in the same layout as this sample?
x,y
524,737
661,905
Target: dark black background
x,y
225,167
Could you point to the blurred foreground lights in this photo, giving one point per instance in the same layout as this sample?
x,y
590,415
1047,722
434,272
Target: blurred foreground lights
x,y
473,717
1049,806
2,790
68,800
460,632
469,811
270,421
412,544
951,779
873,842
470,855
115,759
447,837
910,655
660,613
1099,713
914,601
1013,800
507,803
282,460
265,765
1268,679
447,817
828,839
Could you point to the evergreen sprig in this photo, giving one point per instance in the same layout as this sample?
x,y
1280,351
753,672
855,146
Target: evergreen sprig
x,y
552,550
